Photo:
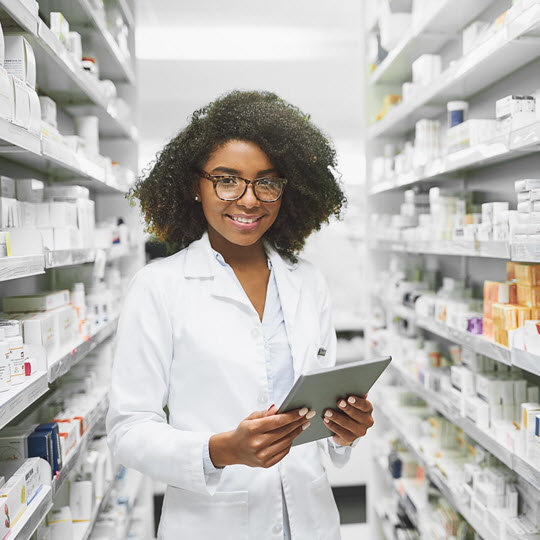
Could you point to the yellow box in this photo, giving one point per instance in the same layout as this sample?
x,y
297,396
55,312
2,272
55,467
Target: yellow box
x,y
487,328
528,296
527,274
501,336
510,270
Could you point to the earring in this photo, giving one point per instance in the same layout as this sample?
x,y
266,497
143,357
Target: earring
x,y
196,197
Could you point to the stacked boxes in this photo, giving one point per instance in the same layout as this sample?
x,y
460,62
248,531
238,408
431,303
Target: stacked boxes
x,y
508,305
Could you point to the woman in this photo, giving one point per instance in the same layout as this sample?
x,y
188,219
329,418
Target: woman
x,y
221,329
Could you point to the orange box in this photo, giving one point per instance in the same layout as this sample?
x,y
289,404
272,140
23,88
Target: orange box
x,y
501,336
512,292
527,274
528,296
487,328
510,270
535,314
523,314
488,309
505,316
497,291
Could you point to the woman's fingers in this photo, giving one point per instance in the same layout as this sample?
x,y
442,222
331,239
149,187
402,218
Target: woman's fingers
x,y
342,432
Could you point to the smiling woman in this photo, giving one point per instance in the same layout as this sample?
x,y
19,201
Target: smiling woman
x,y
290,146
220,331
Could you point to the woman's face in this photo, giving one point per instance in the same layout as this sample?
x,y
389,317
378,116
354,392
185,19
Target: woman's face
x,y
247,160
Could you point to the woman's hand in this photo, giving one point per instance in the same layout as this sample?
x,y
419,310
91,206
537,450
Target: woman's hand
x,y
261,440
351,420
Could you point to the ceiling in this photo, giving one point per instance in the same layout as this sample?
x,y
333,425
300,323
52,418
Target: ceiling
x,y
309,52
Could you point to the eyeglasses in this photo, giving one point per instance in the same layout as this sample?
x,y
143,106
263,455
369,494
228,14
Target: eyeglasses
x,y
231,188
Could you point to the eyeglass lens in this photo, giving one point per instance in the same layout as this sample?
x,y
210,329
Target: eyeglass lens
x,y
231,188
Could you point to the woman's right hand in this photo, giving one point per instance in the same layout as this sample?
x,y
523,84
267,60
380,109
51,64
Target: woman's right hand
x,y
261,440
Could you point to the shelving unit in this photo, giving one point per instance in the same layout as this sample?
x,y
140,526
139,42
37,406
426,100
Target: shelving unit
x,y
502,64
25,155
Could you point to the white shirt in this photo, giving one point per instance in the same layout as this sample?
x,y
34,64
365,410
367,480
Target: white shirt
x,y
190,339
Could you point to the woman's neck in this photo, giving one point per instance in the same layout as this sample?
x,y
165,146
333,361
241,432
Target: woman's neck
x,y
235,255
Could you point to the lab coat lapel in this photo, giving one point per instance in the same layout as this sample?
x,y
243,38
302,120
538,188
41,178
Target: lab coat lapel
x,y
289,285
201,263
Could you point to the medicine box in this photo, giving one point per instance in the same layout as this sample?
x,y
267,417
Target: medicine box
x,y
36,302
13,495
30,190
20,60
21,99
59,27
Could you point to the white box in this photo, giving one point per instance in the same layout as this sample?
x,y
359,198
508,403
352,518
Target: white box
x,y
38,328
472,35
59,27
513,105
63,214
21,97
28,214
69,436
81,500
12,494
43,215
30,471
35,113
62,238
74,46
30,190
48,110
527,184
7,103
65,323
47,235
20,60
426,68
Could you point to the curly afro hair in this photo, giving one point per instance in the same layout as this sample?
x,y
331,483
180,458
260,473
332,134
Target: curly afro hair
x,y
297,149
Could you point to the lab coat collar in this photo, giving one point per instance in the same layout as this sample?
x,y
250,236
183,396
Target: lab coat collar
x,y
201,263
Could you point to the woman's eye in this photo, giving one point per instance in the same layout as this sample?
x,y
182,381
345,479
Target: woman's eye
x,y
228,181
267,182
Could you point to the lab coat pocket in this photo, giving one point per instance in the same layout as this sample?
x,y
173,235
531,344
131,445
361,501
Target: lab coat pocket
x,y
323,508
195,516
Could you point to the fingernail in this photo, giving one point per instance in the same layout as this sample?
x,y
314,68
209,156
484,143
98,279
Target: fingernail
x,y
273,405
351,400
310,415
305,426
328,414
303,411
326,420
342,403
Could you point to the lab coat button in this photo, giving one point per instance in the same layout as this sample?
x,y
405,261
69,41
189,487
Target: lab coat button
x,y
277,528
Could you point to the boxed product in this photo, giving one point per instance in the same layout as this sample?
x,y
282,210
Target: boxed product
x,y
29,470
52,428
65,323
36,302
59,27
470,133
48,110
30,190
7,103
74,46
21,100
81,499
12,494
20,60
40,444
528,296
531,336
472,35
527,274
69,435
426,68
63,214
38,328
14,443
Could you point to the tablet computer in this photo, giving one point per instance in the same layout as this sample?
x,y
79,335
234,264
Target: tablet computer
x,y
321,389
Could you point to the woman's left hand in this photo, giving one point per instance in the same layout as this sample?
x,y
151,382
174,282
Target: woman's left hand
x,y
350,420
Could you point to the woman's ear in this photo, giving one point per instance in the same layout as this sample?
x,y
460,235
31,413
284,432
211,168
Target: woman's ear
x,y
195,189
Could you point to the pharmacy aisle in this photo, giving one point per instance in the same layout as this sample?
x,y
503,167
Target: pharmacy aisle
x,y
455,251
69,244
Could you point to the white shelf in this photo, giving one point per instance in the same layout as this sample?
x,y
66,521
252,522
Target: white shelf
x,y
15,13
68,257
512,45
19,397
438,27
72,354
82,16
435,477
461,248
60,77
128,14
33,515
19,267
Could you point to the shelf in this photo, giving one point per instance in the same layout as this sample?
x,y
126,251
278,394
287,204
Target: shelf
x,y
70,85
461,248
512,46
516,144
126,11
15,13
68,257
435,477
33,515
19,397
82,16
439,26
79,451
82,531
522,467
72,354
19,267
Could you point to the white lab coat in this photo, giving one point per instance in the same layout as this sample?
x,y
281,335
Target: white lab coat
x,y
190,339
